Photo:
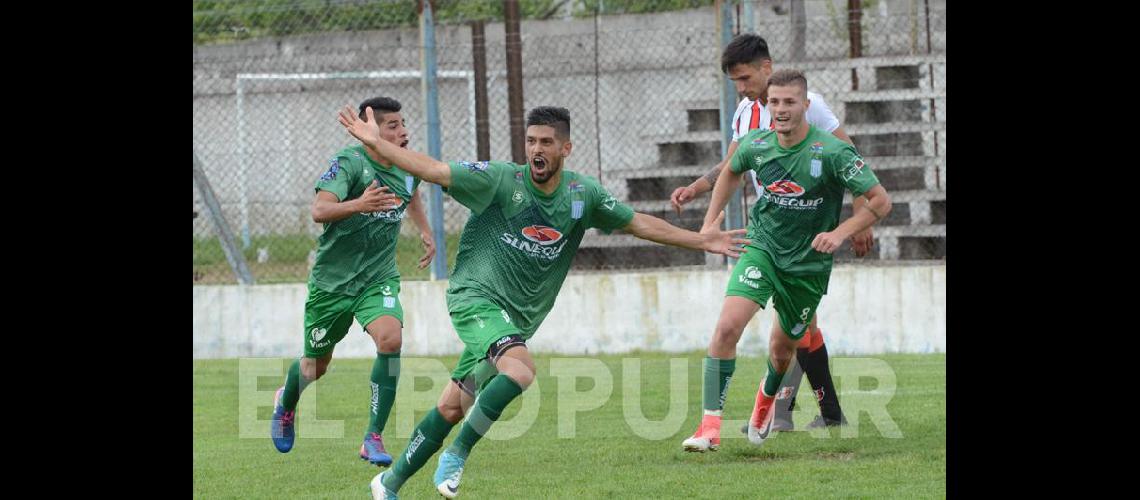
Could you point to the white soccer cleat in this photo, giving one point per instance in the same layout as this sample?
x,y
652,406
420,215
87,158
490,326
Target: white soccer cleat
x,y
760,424
707,437
379,492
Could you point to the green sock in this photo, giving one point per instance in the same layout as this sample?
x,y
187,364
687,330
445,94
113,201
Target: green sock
x,y
385,375
294,384
772,381
425,441
487,409
718,373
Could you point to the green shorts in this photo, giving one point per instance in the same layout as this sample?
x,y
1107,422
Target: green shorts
x,y
481,326
796,297
328,315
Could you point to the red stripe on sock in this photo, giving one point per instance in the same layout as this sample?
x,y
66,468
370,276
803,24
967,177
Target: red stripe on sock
x,y
805,341
816,341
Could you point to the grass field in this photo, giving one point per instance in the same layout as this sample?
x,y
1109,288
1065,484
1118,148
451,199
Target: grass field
x,y
604,458
288,260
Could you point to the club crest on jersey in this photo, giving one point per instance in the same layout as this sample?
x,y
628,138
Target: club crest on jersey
x,y
334,167
518,176
817,147
474,166
759,143
575,187
577,207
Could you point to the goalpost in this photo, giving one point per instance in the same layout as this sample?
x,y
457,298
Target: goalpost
x,y
242,78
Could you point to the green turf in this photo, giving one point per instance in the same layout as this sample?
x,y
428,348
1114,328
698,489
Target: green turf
x,y
604,458
288,259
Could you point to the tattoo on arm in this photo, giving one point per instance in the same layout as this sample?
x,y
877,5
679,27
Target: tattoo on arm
x,y
712,175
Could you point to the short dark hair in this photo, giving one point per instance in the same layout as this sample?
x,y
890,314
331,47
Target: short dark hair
x,y
380,105
745,48
556,117
787,77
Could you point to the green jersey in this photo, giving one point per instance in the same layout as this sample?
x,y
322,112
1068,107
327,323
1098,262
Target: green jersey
x,y
801,194
518,243
361,249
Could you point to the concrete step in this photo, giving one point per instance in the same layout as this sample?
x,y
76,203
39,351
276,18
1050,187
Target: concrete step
x,y
869,113
866,62
701,204
920,242
889,144
693,171
661,186
687,136
688,152
905,76
885,95
854,129
704,120
635,257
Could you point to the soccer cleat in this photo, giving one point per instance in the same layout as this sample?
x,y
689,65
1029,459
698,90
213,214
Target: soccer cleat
x,y
281,426
447,475
707,437
760,424
821,421
778,425
373,450
379,491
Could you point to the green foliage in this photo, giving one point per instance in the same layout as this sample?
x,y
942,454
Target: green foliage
x,y
236,20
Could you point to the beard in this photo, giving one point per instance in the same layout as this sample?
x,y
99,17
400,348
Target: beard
x,y
542,169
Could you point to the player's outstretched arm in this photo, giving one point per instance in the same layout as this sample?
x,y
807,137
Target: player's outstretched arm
x,y
703,184
418,164
877,207
419,217
326,207
725,185
648,227
862,241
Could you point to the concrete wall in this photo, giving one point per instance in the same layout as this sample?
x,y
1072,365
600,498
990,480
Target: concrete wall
x,y
868,310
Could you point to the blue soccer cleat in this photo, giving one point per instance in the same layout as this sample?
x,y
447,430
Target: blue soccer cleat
x,y
447,475
281,427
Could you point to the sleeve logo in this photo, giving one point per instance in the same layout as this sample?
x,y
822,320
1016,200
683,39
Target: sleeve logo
x,y
855,169
330,174
474,166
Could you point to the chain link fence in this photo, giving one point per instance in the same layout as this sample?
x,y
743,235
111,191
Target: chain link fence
x,y
641,78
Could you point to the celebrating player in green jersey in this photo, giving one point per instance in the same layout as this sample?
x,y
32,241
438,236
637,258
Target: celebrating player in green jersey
x,y
525,226
361,199
793,229
747,62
